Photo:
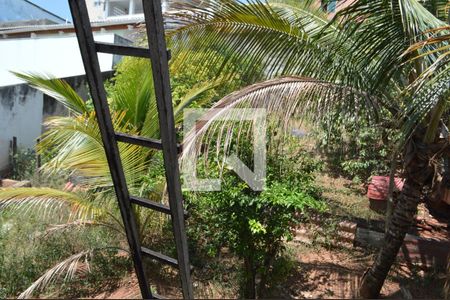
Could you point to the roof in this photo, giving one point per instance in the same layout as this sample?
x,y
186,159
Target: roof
x,y
111,23
15,12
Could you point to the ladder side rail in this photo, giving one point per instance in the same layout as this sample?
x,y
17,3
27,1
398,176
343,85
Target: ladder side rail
x,y
160,67
94,77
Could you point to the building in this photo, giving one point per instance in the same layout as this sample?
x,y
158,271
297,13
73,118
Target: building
x,y
23,12
439,8
34,40
331,7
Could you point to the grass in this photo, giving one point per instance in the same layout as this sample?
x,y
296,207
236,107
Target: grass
x,y
25,254
345,198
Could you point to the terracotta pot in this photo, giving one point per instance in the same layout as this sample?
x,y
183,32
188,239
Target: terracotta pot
x,y
379,187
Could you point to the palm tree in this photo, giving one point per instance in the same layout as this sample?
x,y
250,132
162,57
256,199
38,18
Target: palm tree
x,y
77,150
365,62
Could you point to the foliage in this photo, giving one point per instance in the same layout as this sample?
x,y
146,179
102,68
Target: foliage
x,y
355,67
24,164
74,153
107,268
353,147
371,88
27,250
254,225
374,57
436,7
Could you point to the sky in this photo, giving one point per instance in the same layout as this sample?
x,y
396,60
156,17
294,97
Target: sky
x,y
58,7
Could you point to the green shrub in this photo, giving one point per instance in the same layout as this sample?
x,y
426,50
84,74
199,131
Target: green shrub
x,y
354,148
24,164
26,253
254,225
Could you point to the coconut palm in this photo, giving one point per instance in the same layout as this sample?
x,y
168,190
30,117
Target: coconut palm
x,y
77,152
367,62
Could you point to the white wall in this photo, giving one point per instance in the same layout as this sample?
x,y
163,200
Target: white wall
x,y
21,107
54,55
95,9
20,116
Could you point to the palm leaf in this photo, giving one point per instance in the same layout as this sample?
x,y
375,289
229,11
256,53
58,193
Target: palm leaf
x,y
56,88
379,32
80,150
133,91
277,40
429,91
48,203
72,266
80,223
284,98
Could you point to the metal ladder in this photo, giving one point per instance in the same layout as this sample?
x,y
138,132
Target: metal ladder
x,y
158,54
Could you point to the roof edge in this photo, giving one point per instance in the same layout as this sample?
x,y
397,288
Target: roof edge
x,y
47,11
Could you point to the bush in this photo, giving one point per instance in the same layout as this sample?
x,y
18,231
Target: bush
x,y
24,164
26,253
254,225
353,148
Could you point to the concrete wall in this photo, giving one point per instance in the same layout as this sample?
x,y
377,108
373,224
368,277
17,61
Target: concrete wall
x,y
23,109
17,104
58,56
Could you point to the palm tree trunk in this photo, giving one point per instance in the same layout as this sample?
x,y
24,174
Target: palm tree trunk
x,y
418,171
390,198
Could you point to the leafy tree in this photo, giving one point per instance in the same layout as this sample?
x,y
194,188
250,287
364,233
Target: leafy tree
x,y
255,225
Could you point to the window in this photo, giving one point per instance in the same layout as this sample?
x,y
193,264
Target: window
x,y
117,8
328,5
331,7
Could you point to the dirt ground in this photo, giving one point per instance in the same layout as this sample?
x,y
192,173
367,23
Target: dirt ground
x,y
337,274
317,271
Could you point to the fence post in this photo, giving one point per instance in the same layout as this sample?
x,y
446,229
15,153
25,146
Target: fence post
x,y
13,145
38,156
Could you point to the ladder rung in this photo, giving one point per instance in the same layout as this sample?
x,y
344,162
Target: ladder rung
x,y
142,141
150,204
160,257
122,50
153,205
138,140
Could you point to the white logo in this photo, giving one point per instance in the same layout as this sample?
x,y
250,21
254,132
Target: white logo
x,y
195,117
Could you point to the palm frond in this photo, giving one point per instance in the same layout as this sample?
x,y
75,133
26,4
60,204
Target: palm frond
x,y
69,267
427,94
378,32
48,203
133,91
283,98
434,46
430,90
72,266
193,94
56,88
257,36
78,224
80,149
